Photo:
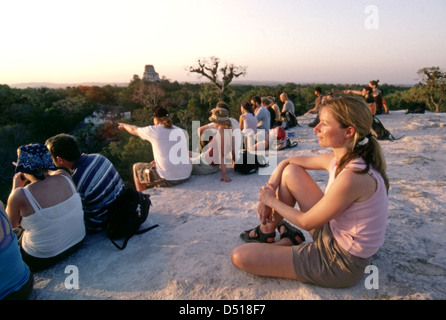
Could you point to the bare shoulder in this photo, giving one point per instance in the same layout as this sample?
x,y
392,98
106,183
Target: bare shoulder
x,y
60,172
57,181
16,201
16,194
361,184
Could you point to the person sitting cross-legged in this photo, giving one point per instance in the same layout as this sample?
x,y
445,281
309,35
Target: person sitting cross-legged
x,y
347,222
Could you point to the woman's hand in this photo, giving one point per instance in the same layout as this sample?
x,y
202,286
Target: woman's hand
x,y
265,213
225,178
19,181
266,195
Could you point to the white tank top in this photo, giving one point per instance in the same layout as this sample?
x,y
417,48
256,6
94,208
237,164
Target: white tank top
x,y
250,124
50,231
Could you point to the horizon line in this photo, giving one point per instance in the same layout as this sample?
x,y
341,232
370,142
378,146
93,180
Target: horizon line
x,y
51,85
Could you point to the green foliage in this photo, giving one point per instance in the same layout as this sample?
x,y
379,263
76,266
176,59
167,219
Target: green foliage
x,y
124,153
433,82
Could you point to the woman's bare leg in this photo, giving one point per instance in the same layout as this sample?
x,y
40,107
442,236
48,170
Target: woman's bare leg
x,y
276,260
296,185
265,260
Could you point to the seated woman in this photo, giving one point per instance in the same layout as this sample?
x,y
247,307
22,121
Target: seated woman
x,y
216,153
206,132
275,108
47,213
248,125
367,94
16,281
347,223
380,102
168,168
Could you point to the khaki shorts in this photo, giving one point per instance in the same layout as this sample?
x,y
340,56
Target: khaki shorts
x,y
146,174
325,263
203,168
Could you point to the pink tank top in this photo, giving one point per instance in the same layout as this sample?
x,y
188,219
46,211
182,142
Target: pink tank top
x,y
361,228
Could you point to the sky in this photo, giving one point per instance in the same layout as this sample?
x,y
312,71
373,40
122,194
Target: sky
x,y
301,41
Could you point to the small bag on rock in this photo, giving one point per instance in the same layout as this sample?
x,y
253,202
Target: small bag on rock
x,y
125,216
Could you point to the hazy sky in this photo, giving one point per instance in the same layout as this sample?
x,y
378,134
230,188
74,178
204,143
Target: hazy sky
x,y
310,41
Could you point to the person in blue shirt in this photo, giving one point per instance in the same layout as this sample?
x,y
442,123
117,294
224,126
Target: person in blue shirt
x,y
263,124
16,280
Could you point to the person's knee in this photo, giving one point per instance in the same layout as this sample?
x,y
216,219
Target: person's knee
x,y
292,171
236,257
244,256
134,168
239,257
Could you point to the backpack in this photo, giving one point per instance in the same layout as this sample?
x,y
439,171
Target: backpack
x,y
282,140
416,107
125,216
249,163
286,144
289,119
380,132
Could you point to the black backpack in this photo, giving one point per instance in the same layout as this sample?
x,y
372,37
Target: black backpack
x,y
249,163
416,107
290,119
381,133
125,216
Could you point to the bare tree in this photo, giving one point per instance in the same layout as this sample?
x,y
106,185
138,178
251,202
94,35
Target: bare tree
x,y
210,69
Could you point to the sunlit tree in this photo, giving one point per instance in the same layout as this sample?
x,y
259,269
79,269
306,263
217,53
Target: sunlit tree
x,y
433,81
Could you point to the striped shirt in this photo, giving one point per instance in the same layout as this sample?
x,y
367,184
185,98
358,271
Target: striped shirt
x,y
98,184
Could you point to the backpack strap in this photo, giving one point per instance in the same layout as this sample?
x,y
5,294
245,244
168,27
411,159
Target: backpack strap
x,y
128,238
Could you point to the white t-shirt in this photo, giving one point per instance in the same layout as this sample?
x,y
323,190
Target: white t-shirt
x,y
170,151
289,106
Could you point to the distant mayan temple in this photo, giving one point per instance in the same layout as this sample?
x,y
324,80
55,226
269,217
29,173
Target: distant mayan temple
x,y
150,74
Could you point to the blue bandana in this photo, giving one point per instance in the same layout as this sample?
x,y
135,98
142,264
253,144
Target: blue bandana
x,y
33,159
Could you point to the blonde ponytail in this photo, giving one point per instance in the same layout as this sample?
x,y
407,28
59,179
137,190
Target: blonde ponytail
x,y
354,112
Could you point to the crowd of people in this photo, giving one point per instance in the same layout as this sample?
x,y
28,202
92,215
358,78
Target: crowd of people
x,y
60,195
